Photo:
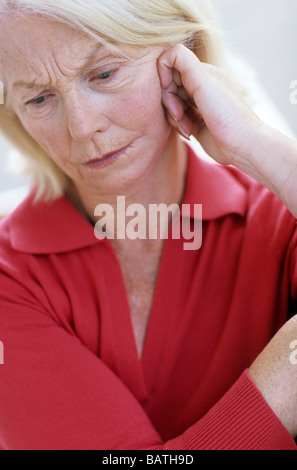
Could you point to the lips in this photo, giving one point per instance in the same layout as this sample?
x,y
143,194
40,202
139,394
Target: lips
x,y
104,160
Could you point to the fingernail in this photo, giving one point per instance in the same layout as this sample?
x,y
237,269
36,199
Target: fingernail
x,y
183,133
174,118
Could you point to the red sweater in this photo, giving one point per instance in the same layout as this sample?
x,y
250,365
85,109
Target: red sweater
x,y
71,377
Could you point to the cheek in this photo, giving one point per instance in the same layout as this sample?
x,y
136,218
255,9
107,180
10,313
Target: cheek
x,y
142,108
52,139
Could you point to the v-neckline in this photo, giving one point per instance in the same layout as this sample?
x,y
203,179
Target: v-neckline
x,y
140,374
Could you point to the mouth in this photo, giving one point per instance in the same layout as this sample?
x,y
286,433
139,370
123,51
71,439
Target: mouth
x,y
104,160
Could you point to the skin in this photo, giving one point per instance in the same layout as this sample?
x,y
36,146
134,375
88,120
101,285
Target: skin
x,y
160,92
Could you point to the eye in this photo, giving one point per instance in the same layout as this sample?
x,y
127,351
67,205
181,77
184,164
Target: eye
x,y
103,76
38,101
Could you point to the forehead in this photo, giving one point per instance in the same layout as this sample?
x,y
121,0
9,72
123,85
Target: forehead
x,y
32,43
58,44
32,34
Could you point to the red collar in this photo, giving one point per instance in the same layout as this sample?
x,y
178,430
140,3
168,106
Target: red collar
x,y
57,227
216,187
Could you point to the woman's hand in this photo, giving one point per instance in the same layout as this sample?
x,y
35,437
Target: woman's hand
x,y
200,99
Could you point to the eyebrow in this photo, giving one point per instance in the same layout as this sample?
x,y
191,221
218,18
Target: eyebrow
x,y
35,85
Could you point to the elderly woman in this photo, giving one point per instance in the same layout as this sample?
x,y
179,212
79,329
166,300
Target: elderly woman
x,y
135,342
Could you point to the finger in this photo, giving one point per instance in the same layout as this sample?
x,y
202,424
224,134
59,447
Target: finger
x,y
174,105
181,127
177,78
185,126
182,93
184,62
166,75
172,88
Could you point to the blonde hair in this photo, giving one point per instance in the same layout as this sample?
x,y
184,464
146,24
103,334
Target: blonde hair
x,y
133,22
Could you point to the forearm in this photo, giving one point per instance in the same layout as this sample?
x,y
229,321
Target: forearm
x,y
271,159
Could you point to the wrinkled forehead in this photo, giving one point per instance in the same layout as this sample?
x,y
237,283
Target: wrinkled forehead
x,y
27,40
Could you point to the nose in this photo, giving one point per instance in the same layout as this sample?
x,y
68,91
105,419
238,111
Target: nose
x,y
86,117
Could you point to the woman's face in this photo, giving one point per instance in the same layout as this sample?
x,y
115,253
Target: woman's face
x,y
82,102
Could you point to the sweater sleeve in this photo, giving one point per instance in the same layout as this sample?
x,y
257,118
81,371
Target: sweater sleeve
x,y
56,394
241,420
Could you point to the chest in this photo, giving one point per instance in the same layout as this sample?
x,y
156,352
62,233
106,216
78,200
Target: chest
x,y
140,274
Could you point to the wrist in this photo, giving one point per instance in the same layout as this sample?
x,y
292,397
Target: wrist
x,y
270,157
257,137
276,398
